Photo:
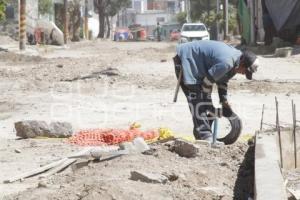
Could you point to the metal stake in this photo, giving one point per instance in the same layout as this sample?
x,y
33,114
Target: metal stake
x,y
262,117
278,130
294,132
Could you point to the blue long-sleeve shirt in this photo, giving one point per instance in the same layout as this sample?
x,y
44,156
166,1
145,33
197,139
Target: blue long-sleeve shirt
x,y
212,59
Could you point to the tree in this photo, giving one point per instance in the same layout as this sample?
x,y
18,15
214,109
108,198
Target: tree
x,y
2,9
100,5
45,7
205,11
75,19
106,9
181,17
114,6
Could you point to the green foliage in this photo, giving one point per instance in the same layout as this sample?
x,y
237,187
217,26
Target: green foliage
x,y
45,7
2,9
201,8
114,6
181,17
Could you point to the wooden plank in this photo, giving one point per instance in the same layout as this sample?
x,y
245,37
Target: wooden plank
x,y
58,168
35,171
287,142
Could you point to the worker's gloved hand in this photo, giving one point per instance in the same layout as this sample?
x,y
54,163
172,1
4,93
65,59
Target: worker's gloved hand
x,y
207,85
226,109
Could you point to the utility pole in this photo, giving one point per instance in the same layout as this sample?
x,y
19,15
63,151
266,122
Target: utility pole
x,y
217,21
208,7
225,11
86,18
188,10
66,31
22,24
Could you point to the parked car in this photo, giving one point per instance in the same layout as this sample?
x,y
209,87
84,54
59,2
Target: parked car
x,y
175,35
193,31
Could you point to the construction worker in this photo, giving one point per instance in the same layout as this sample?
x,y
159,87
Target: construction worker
x,y
204,63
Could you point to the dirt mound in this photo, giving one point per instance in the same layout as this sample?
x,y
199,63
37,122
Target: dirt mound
x,y
13,57
214,174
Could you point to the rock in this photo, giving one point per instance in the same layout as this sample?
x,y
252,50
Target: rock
x,y
185,149
42,184
31,129
151,151
61,129
171,176
59,66
213,190
148,177
17,151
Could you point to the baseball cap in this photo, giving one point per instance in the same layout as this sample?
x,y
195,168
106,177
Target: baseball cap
x,y
251,62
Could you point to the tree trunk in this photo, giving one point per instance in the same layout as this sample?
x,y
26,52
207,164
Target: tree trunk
x,y
108,26
101,14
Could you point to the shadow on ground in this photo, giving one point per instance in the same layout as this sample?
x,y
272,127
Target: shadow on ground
x,y
244,185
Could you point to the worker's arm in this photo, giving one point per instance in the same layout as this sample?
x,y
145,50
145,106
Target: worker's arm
x,y
226,108
222,90
218,71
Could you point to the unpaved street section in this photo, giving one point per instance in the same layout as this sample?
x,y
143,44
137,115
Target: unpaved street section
x,y
104,84
213,174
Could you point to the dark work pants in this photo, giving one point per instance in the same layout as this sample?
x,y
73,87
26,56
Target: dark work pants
x,y
199,103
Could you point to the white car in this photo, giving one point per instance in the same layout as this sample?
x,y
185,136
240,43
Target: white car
x,y
193,31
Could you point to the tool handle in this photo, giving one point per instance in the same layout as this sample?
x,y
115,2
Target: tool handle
x,y
177,86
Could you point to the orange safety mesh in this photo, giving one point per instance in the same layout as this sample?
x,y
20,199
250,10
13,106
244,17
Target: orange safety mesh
x,y
94,137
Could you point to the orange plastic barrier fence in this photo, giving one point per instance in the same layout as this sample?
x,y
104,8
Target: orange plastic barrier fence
x,y
96,137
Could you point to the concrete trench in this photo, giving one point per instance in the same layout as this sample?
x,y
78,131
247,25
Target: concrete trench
x,y
271,168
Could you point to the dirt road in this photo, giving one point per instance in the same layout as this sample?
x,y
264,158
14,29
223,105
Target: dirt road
x,y
106,84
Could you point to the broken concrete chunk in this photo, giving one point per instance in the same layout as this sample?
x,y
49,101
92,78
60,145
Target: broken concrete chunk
x,y
32,128
185,149
148,177
283,52
61,129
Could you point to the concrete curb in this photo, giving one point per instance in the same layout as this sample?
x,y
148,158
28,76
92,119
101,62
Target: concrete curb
x,y
268,180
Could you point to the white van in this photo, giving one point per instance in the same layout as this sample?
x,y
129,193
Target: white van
x,y
193,31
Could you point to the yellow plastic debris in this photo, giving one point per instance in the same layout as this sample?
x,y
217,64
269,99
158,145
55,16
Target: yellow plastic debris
x,y
135,125
189,138
165,133
246,137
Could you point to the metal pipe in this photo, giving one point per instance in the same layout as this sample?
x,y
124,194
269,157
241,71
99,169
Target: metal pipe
x,y
215,132
66,31
22,25
294,132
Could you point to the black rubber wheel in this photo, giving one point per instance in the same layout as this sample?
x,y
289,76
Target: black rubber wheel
x,y
235,132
